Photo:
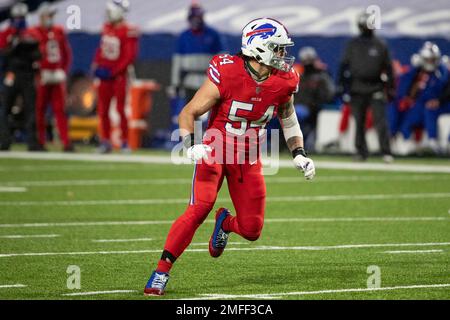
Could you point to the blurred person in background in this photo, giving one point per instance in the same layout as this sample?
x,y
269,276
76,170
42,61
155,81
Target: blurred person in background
x,y
20,52
51,82
117,51
441,106
194,49
366,72
395,115
316,88
418,98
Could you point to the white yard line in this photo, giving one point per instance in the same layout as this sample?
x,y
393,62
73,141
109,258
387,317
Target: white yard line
x,y
91,293
346,197
66,167
100,182
268,220
166,160
207,243
414,251
4,189
18,285
213,296
122,240
253,248
358,219
177,181
27,236
301,293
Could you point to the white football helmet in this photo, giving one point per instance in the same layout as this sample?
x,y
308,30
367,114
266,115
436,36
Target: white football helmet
x,y
46,12
266,40
116,9
19,10
430,56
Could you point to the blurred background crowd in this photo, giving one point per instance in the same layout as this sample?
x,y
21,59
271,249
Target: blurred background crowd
x,y
115,74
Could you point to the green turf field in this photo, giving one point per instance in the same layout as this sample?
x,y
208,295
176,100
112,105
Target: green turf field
x,y
318,241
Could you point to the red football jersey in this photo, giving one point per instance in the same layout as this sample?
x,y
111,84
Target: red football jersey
x,y
244,103
118,47
54,47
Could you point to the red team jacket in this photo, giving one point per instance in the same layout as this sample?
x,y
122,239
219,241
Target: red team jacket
x,y
54,47
244,103
118,47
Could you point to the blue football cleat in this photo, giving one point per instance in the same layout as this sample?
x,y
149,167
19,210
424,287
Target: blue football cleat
x,y
156,284
219,238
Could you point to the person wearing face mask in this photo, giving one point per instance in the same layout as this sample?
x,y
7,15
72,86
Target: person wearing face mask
x,y
20,52
316,88
117,51
419,98
365,79
194,49
51,82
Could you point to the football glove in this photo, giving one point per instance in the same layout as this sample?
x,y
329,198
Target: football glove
x,y
198,151
303,163
195,151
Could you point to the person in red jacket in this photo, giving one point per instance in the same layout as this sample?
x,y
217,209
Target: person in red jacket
x,y
51,82
117,51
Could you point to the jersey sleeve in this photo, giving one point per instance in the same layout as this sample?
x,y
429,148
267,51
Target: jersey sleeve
x,y
292,84
214,73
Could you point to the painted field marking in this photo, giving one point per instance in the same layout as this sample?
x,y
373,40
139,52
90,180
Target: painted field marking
x,y
91,293
26,236
207,243
414,251
99,182
269,220
122,240
165,159
65,167
18,285
4,189
301,293
319,198
213,296
177,181
255,248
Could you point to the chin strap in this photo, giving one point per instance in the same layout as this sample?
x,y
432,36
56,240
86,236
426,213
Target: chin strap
x,y
254,72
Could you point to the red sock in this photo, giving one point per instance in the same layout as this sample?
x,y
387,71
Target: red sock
x,y
163,266
230,224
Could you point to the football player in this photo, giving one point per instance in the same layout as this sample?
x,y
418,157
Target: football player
x,y
243,92
419,90
51,82
117,51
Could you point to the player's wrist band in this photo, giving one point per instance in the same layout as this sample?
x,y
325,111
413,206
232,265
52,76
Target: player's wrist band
x,y
188,141
299,151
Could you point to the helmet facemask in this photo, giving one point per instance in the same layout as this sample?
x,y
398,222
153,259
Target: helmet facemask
x,y
280,58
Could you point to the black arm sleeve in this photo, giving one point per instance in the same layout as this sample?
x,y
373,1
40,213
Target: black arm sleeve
x,y
343,76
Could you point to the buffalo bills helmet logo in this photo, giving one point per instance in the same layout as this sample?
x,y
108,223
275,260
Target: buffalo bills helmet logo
x,y
264,31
